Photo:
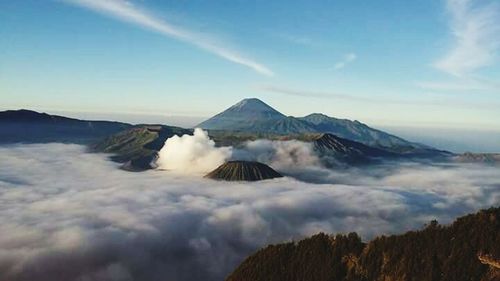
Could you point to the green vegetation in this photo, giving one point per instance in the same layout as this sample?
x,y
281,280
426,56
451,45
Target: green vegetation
x,y
436,253
137,147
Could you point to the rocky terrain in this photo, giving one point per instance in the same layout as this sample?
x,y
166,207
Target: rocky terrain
x,y
486,158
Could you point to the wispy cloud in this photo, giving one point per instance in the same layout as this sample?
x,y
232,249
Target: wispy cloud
x,y
469,85
445,102
128,12
333,95
291,92
299,40
476,30
347,59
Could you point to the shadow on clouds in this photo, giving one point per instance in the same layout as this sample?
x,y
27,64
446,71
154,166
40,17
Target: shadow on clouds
x,y
71,215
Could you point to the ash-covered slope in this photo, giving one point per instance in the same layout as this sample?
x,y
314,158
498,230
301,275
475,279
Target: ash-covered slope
x,y
469,249
243,171
348,151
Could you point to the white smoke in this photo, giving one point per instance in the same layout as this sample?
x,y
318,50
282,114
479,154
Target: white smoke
x,y
291,158
192,154
197,155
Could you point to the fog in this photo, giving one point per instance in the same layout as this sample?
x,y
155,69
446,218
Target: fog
x,y
70,215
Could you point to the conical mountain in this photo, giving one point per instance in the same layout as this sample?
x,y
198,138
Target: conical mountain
x,y
242,115
243,171
255,116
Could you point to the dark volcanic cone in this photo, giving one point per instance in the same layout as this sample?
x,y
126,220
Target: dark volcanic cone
x,y
243,171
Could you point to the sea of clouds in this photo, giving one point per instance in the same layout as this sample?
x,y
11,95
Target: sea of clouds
x,y
66,214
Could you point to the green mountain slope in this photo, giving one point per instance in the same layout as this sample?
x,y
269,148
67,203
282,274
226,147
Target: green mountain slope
x,y
137,147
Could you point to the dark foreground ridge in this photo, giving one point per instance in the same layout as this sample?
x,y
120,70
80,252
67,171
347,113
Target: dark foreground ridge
x,y
28,126
243,171
469,249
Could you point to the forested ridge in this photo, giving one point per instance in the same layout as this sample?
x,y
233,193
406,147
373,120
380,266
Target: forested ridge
x,y
468,249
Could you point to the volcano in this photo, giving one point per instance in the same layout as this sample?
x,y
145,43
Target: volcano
x,y
245,115
243,171
256,117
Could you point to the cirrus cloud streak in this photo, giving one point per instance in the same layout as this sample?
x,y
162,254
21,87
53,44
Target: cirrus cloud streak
x,y
128,12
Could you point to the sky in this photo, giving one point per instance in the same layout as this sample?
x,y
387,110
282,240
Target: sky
x,y
428,63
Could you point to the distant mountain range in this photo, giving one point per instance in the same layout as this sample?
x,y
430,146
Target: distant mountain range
x,y
30,126
254,116
336,140
469,249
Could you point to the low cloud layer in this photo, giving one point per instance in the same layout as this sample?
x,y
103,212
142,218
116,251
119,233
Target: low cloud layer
x,y
75,215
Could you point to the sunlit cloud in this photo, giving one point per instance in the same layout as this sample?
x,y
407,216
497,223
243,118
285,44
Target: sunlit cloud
x,y
128,12
476,31
347,59
75,214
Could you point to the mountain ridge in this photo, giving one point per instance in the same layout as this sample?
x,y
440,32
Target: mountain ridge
x,y
468,249
247,116
30,126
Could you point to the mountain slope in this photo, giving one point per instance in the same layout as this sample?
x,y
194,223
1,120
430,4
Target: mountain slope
x,y
485,158
137,147
245,115
469,249
347,151
33,127
254,116
243,171
357,131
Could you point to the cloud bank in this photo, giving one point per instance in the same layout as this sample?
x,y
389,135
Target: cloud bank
x,y
192,154
75,215
128,12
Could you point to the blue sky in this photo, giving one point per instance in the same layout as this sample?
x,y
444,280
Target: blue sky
x,y
403,63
